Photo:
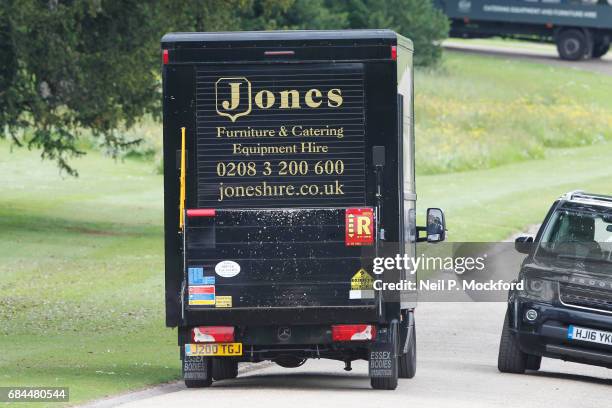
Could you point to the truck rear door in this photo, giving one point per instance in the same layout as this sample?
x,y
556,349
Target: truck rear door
x,y
281,201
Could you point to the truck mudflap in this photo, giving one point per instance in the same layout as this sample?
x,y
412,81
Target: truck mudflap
x,y
197,368
257,259
383,361
383,358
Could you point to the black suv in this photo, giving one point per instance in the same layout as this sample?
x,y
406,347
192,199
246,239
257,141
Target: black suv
x,y
564,309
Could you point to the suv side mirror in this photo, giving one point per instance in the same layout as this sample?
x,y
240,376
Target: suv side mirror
x,y
436,225
523,244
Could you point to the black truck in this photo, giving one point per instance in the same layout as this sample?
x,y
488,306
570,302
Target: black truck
x,y
581,29
564,310
288,165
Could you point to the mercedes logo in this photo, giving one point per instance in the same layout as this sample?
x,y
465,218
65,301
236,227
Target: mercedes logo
x,y
284,333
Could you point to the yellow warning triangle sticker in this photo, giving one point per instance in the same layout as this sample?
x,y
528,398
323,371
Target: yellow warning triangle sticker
x,y
362,280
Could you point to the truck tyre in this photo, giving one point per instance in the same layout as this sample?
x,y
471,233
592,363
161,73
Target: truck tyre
x,y
408,360
387,383
573,45
600,49
198,383
533,362
510,358
224,369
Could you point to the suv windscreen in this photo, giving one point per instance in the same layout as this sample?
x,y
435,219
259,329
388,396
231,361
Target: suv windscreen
x,y
578,232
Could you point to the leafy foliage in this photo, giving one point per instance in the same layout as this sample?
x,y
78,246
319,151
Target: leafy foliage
x,y
418,20
69,67
73,66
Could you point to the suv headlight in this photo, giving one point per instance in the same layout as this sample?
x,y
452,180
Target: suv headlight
x,y
539,289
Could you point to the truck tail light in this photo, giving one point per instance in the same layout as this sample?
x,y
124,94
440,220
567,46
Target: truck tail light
x,y
165,57
353,332
212,334
394,52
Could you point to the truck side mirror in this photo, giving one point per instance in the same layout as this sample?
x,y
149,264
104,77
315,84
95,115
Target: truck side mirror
x,y
436,225
523,244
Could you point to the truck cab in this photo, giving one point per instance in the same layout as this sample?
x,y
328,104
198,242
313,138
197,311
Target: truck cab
x,y
288,167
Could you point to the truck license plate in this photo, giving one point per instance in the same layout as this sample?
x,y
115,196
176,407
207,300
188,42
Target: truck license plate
x,y
590,335
213,349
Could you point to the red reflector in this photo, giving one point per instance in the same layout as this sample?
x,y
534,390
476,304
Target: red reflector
x,y
353,332
213,334
394,52
165,57
201,212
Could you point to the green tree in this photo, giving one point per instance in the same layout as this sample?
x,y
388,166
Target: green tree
x,y
314,15
418,20
74,66
89,65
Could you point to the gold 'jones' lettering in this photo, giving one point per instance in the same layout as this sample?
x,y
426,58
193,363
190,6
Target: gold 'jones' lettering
x,y
269,99
290,98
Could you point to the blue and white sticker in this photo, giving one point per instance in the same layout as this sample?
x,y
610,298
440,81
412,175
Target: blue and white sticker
x,y
196,277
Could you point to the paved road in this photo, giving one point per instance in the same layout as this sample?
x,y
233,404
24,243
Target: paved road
x,y
541,54
457,357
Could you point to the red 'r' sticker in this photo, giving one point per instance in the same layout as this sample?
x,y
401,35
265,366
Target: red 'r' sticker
x,y
359,226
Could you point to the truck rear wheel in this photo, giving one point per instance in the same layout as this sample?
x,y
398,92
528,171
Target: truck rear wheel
x,y
573,45
386,383
408,360
510,359
600,49
198,383
224,369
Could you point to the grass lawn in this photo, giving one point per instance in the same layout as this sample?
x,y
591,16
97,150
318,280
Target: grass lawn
x,y
81,289
489,205
479,112
81,294
81,278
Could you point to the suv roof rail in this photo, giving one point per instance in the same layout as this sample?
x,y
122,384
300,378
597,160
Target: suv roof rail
x,y
569,195
581,194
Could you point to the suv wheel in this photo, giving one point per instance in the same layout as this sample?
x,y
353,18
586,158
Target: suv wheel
x,y
533,362
510,359
573,45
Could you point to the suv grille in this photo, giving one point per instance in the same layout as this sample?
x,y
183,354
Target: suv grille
x,y
581,296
